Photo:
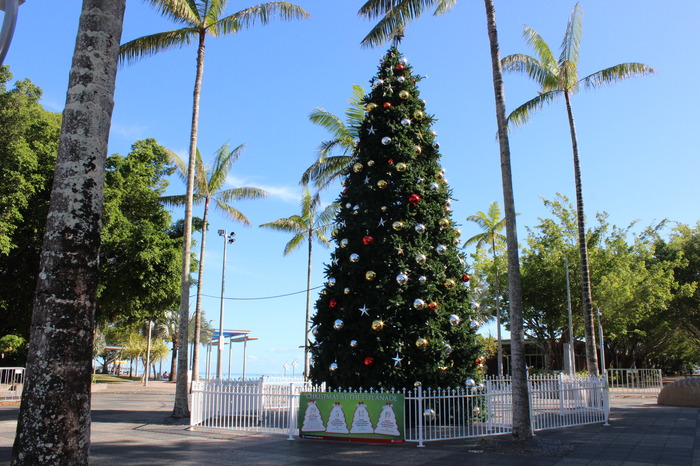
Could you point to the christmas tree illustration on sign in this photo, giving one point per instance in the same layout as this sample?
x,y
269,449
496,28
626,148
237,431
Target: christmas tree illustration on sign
x,y
312,419
361,420
336,420
387,424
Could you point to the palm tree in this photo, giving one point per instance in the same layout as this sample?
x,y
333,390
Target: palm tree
x,y
209,182
557,78
329,167
201,18
395,15
63,318
306,226
491,225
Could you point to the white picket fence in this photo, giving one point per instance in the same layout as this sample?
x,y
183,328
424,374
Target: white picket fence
x,y
635,381
11,383
271,406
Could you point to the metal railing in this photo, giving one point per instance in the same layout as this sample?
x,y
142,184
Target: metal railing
x,y
430,414
635,381
11,383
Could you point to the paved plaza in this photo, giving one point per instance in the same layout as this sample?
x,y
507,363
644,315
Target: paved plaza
x,y
129,426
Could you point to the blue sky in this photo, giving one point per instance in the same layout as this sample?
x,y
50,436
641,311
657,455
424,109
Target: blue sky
x,y
637,138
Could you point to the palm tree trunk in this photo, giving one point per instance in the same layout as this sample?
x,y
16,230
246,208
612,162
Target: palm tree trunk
x,y
499,352
181,408
198,308
53,426
308,306
588,320
522,428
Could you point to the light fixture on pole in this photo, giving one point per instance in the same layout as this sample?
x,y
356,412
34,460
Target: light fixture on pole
x,y
230,238
11,9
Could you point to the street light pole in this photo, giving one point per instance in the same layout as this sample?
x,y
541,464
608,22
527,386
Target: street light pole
x,y
227,239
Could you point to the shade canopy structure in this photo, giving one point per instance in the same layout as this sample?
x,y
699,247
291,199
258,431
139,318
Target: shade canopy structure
x,y
229,338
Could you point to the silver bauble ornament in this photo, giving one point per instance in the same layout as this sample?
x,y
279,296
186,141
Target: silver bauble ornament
x,y
446,350
331,282
406,122
454,320
370,163
401,79
386,140
338,324
421,259
420,228
419,304
353,343
346,291
434,186
354,257
333,367
422,279
377,82
344,243
402,279
441,249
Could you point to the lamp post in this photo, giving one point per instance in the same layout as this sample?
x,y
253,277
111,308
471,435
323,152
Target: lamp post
x,y
230,238
11,9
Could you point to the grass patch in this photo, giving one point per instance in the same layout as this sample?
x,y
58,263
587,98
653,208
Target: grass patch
x,y
109,378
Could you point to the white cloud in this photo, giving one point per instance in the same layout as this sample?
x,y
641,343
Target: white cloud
x,y
286,193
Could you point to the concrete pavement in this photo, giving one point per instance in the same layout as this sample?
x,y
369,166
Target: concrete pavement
x,y
130,426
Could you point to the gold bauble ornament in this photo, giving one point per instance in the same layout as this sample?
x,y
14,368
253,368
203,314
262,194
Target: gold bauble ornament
x,y
444,223
381,184
401,167
357,168
370,275
422,343
417,150
370,163
377,325
346,291
371,106
418,115
397,225
450,283
404,94
334,233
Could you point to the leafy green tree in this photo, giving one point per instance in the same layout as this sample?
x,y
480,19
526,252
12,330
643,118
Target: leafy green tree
x,y
491,224
307,226
140,273
395,14
328,167
66,292
209,186
394,309
28,147
201,18
13,350
560,78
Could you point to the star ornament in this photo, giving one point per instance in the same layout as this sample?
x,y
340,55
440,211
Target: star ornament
x,y
371,130
363,310
397,360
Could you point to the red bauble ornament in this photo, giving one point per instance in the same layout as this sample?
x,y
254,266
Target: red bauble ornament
x,y
332,303
390,161
387,104
399,67
369,360
466,277
367,240
433,306
414,199
345,191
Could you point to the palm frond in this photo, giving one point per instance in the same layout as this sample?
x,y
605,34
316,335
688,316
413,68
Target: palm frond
x,y
240,194
323,173
327,215
533,68
224,158
330,122
322,239
231,212
571,44
152,44
214,10
616,73
293,224
522,114
180,11
542,50
355,112
180,165
396,14
444,6
375,8
200,175
173,201
294,243
262,14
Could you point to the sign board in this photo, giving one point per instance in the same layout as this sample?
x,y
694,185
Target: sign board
x,y
365,417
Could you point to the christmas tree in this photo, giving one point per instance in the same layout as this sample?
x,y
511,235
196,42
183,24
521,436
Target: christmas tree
x,y
395,309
